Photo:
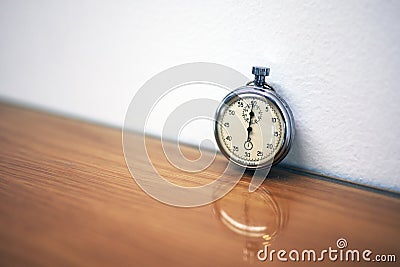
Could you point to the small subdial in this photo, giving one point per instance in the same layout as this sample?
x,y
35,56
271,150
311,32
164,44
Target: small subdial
x,y
253,112
248,145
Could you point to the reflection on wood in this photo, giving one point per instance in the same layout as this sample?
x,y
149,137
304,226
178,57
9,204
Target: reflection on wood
x,y
257,217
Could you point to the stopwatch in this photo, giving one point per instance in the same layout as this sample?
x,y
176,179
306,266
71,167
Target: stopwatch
x,y
254,126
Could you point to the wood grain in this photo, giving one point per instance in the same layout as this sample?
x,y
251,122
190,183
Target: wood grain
x,y
68,199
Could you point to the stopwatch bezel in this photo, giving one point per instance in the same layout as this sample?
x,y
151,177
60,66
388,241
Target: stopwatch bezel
x,y
284,109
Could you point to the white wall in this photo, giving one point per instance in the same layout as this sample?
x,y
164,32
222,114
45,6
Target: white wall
x,y
336,63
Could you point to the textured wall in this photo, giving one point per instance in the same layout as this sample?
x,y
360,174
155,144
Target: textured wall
x,y
335,62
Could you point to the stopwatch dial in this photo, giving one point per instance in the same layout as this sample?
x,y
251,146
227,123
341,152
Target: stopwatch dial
x,y
250,130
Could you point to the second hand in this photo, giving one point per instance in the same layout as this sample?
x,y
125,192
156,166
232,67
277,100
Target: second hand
x,y
248,145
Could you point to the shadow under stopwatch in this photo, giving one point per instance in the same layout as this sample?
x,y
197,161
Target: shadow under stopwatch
x,y
257,218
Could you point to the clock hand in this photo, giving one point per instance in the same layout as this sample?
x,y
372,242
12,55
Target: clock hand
x,y
249,129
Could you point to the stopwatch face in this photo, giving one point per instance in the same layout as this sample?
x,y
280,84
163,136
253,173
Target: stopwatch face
x,y
250,129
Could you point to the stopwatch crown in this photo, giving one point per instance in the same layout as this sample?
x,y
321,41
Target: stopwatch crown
x,y
260,71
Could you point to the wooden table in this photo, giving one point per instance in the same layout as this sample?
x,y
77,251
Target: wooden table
x,y
68,199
